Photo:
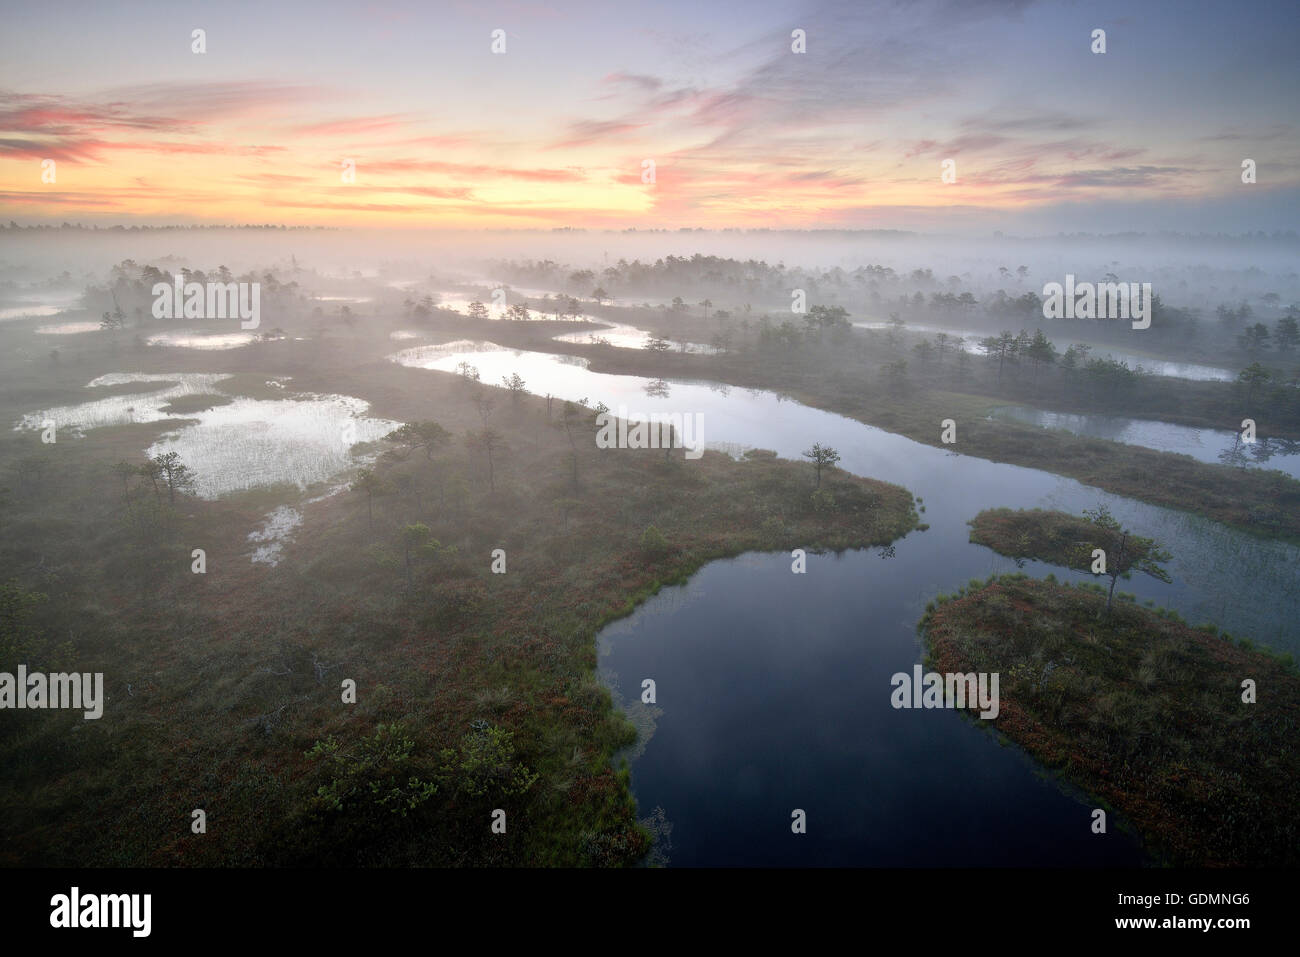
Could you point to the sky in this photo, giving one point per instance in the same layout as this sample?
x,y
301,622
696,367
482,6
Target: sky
x,y
1044,135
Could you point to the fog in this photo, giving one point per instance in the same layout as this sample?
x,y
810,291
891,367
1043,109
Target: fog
x,y
379,454
1185,270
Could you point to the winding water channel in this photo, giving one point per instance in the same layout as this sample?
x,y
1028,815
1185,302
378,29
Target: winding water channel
x,y
773,688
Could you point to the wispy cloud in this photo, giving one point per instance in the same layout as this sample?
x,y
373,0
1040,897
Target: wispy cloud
x,y
585,132
355,126
641,81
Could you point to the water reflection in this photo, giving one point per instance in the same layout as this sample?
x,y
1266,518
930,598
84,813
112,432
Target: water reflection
x,y
192,340
1262,451
1161,367
1204,445
68,328
773,688
242,444
1212,565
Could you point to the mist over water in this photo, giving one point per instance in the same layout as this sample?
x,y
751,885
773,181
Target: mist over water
x,y
774,688
402,402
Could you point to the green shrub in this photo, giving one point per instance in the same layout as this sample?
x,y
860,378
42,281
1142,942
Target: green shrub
x,y
485,765
371,777
653,541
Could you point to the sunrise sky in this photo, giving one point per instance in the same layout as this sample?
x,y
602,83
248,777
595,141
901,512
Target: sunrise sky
x,y
1045,134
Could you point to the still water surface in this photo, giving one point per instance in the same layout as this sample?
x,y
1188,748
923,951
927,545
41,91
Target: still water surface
x,y
1215,446
773,688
